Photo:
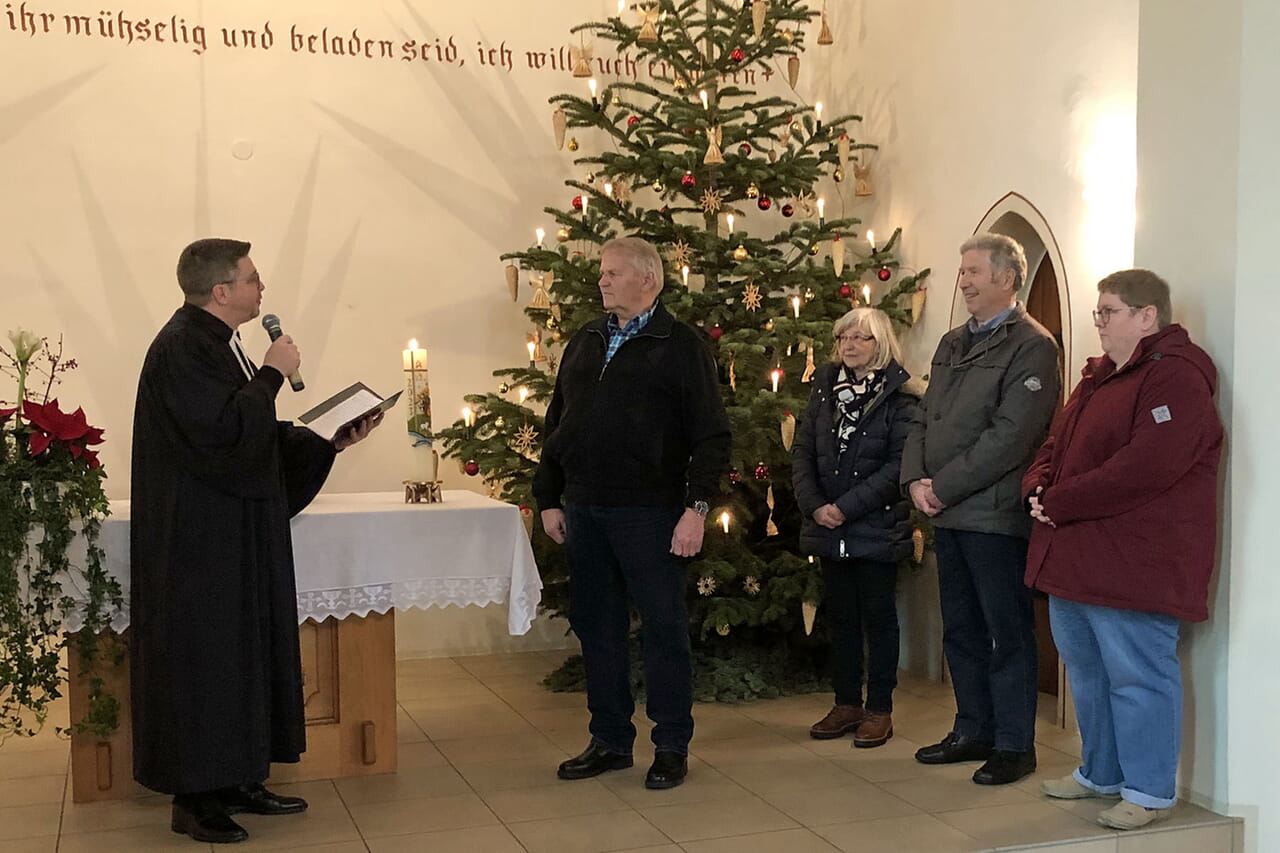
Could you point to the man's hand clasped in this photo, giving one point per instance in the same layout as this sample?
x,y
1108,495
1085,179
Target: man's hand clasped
x,y
923,497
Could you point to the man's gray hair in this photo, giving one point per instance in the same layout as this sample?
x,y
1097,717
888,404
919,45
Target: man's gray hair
x,y
1006,254
643,255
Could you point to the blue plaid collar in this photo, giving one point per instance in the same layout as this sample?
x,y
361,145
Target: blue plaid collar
x,y
634,325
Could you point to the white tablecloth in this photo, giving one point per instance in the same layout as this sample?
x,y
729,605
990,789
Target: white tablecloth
x,y
368,552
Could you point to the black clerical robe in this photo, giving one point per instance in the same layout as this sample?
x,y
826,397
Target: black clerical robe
x,y
216,670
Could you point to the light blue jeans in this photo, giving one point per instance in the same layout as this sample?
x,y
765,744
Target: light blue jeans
x,y
1127,687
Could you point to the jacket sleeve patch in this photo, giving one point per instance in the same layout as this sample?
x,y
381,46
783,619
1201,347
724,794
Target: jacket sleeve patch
x,y
1032,383
1161,414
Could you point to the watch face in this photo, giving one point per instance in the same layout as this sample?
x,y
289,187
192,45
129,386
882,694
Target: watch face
x,y
700,507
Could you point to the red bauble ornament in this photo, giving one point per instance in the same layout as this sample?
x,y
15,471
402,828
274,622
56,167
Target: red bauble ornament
x,y
715,332
737,55
788,210
734,477
884,273
845,291
687,180
472,467
577,202
762,471
764,202
745,149
632,120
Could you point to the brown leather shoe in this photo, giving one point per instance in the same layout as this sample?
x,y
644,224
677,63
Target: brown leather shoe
x,y
876,729
838,722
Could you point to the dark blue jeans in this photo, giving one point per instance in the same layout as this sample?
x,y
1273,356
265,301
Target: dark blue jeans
x,y
859,603
989,635
620,557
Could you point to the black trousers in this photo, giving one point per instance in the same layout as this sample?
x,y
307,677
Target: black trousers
x,y
621,557
859,604
988,635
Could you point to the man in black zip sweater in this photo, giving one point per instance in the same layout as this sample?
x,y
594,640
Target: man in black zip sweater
x,y
636,442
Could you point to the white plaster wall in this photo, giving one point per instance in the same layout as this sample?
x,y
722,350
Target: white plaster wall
x,y
1253,740
973,100
1216,62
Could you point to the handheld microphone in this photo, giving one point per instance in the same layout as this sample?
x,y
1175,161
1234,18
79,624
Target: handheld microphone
x,y
271,323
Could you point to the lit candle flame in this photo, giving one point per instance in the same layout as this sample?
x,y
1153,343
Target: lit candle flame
x,y
776,375
817,108
524,394
866,293
822,208
592,84
608,189
795,306
586,199
413,343
468,416
622,6
684,274
724,521
871,238
532,348
702,93
540,233
729,219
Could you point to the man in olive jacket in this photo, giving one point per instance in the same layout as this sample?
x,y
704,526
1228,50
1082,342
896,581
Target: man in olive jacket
x,y
993,388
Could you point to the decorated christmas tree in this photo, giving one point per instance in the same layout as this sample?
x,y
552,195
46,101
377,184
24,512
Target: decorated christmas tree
x,y
749,194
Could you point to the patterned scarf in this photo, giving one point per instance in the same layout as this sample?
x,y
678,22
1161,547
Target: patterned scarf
x,y
852,396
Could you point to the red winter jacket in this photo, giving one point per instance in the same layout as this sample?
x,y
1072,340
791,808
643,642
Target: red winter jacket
x,y
1130,472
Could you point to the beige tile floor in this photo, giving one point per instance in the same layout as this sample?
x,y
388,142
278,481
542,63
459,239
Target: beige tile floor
x,y
480,739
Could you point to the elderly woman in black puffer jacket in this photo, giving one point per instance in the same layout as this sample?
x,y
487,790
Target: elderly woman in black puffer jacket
x,y
845,462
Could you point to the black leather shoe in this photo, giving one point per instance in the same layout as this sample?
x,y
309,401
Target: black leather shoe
x,y
1004,767
955,748
593,761
667,771
204,818
256,799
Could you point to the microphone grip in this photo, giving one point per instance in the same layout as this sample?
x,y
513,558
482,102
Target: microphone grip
x,y
272,325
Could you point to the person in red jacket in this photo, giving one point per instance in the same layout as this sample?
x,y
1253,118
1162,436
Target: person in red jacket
x,y
1124,493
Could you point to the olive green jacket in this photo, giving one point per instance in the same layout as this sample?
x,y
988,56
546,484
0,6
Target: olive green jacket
x,y
983,417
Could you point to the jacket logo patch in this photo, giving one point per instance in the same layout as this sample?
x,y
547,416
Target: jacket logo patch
x,y
1032,383
1161,414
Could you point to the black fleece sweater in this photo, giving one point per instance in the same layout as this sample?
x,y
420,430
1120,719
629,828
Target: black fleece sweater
x,y
648,429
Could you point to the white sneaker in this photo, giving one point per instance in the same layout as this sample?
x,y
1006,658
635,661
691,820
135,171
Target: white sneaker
x,y
1127,815
1067,788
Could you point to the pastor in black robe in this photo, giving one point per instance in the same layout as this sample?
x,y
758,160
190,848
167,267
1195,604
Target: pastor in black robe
x,y
216,669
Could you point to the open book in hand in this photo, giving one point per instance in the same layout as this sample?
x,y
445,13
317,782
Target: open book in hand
x,y
346,408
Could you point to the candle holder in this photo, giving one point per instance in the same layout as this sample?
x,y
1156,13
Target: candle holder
x,y
418,491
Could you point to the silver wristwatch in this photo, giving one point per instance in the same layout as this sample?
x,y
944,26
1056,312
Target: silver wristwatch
x,y
700,507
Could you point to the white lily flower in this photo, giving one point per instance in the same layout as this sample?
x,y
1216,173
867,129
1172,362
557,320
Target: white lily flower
x,y
25,344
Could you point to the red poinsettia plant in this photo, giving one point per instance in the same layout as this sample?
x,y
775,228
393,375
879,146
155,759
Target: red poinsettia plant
x,y
52,505
50,427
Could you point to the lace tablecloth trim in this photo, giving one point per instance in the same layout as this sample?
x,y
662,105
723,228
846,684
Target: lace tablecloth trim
x,y
421,593
381,597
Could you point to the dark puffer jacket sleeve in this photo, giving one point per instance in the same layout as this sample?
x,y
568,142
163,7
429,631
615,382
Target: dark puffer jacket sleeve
x,y
873,491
